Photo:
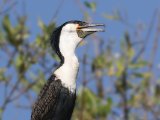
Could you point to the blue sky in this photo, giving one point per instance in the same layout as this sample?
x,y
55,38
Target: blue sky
x,y
138,11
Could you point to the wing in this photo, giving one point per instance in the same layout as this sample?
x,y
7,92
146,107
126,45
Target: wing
x,y
45,87
45,106
65,105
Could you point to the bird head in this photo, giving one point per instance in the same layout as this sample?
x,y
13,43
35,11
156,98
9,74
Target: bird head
x,y
67,37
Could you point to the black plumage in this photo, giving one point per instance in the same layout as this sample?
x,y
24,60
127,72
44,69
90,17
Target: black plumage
x,y
55,102
55,43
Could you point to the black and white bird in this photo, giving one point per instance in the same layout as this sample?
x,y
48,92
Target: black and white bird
x,y
57,98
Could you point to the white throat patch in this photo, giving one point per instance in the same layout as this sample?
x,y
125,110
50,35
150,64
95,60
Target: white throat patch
x,y
68,42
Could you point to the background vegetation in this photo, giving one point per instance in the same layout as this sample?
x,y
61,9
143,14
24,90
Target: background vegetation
x,y
115,86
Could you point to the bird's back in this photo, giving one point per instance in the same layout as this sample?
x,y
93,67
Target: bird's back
x,y
55,102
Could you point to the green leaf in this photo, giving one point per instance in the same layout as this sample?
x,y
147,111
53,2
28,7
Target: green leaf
x,y
157,90
111,71
8,29
42,39
120,67
138,75
15,35
41,25
113,16
2,72
144,75
99,62
92,104
1,113
91,5
41,81
139,64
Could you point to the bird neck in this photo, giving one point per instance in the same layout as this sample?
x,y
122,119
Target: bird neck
x,y
67,72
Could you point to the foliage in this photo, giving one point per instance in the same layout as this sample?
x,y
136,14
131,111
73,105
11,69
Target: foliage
x,y
91,5
27,62
92,106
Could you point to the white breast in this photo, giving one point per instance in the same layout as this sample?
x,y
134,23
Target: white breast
x,y
67,73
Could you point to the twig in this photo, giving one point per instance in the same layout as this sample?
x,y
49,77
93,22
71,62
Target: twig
x,y
124,95
81,7
84,70
57,11
83,84
9,8
147,37
155,45
24,91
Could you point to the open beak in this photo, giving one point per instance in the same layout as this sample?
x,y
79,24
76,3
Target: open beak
x,y
92,28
